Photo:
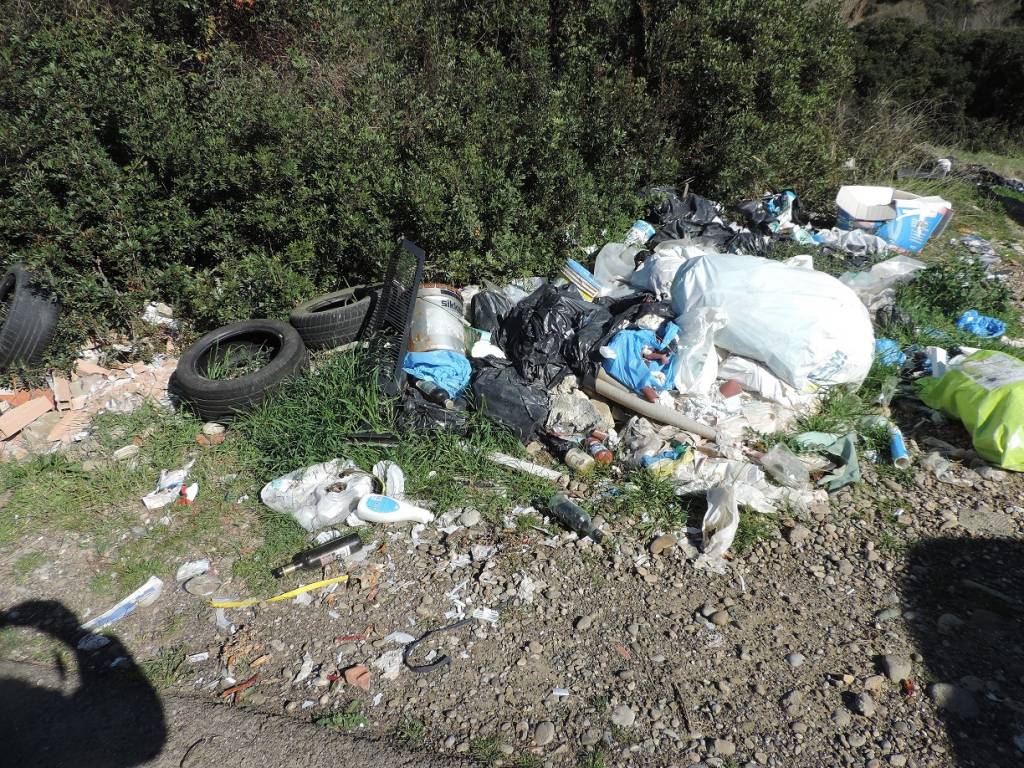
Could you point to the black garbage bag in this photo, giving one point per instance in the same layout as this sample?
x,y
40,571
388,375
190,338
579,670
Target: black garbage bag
x,y
669,206
420,415
502,395
488,309
759,214
551,333
748,243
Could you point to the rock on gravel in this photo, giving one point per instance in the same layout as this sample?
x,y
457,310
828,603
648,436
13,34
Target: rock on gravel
x,y
896,668
953,699
724,748
544,734
662,543
470,518
798,534
719,618
623,716
584,622
863,704
795,659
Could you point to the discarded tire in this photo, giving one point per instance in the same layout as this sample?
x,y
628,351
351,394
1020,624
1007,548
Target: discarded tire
x,y
231,369
28,316
335,318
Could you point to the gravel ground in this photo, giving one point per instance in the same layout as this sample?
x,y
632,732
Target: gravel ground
x,y
885,630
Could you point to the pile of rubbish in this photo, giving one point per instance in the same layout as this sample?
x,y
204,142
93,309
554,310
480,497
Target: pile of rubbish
x,y
45,420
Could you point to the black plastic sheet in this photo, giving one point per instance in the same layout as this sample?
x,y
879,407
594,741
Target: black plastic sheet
x,y
488,309
552,333
503,396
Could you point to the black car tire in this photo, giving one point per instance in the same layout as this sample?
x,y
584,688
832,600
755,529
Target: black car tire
x,y
222,399
334,319
30,320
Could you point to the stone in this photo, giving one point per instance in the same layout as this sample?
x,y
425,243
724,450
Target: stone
x,y
874,683
623,716
590,737
953,699
212,428
584,622
984,519
857,740
797,534
897,760
897,668
719,618
795,659
887,614
544,734
949,623
864,705
841,718
662,543
724,748
469,518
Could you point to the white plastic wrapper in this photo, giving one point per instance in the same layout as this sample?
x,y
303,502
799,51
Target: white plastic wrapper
x,y
304,493
807,327
721,522
698,363
658,272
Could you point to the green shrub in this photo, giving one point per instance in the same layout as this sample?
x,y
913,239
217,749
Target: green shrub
x,y
234,157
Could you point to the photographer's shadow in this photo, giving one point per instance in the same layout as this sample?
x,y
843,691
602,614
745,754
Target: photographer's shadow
x,y
969,627
113,718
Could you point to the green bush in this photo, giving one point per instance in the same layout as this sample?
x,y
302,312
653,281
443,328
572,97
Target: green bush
x,y
235,157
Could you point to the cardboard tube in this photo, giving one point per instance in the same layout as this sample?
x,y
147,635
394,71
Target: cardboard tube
x,y
610,389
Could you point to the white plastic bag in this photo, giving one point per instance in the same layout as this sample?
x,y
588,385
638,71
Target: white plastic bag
x,y
806,326
613,266
875,286
304,494
721,522
659,270
757,379
697,368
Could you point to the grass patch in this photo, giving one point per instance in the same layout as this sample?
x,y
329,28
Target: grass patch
x,y
889,544
595,759
485,751
236,360
754,527
525,760
347,719
412,731
103,503
27,563
164,669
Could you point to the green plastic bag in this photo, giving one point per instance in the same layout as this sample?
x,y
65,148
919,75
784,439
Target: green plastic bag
x,y
986,392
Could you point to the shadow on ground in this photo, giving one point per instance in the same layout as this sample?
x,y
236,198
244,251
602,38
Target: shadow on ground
x,y
112,718
969,627
1013,206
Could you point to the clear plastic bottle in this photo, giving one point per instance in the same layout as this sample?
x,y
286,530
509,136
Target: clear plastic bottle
x,y
573,516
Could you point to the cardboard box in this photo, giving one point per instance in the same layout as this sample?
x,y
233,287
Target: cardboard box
x,y
904,220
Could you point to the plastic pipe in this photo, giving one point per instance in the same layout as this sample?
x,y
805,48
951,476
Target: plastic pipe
x,y
898,448
610,389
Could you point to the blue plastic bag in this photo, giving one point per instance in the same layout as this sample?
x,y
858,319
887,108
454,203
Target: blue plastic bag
x,y
980,325
890,352
449,370
629,367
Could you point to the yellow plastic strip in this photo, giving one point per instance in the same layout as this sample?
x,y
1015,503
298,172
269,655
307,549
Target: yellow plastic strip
x,y
278,598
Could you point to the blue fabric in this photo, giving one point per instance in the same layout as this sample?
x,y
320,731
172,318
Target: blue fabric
x,y
448,370
629,366
890,352
980,325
